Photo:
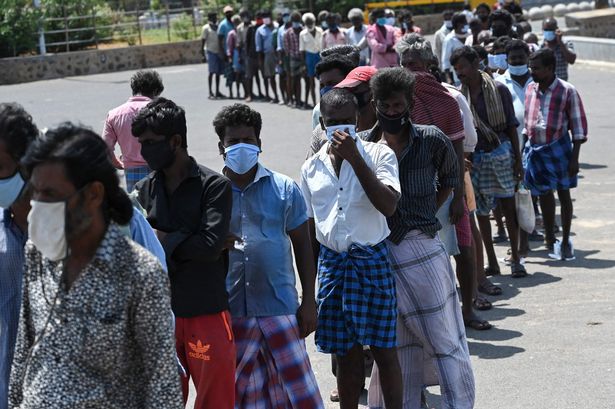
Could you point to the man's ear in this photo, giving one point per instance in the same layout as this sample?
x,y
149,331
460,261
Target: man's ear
x,y
176,140
259,143
95,195
221,147
322,123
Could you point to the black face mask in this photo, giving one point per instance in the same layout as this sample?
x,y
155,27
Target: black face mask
x,y
393,124
158,155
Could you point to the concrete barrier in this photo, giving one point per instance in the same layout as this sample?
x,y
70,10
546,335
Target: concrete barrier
x,y
593,49
27,69
595,23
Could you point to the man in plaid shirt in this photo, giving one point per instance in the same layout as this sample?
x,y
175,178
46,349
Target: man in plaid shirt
x,y
556,126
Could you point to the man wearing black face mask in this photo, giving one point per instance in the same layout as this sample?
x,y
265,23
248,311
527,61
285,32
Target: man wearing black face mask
x,y
424,276
190,207
482,13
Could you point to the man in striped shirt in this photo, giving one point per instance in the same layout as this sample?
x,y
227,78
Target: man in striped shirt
x,y
430,332
553,112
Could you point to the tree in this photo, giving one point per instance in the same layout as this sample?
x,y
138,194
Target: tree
x,y
18,25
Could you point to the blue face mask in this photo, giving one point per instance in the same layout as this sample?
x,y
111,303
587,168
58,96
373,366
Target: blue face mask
x,y
381,21
349,129
391,21
548,35
324,90
296,24
498,61
242,157
285,19
324,25
10,189
518,70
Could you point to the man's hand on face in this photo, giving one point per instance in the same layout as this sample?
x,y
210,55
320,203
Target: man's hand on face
x,y
344,145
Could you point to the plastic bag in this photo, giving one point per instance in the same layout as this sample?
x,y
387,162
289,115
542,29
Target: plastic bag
x,y
525,209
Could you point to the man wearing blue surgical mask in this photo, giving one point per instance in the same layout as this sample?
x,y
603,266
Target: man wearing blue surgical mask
x,y
269,217
17,131
564,51
440,35
189,206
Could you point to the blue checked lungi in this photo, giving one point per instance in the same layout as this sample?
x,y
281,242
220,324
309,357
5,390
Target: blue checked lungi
x,y
431,341
546,166
492,177
356,299
273,367
133,175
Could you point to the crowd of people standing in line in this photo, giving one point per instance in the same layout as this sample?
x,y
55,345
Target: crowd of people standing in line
x,y
117,298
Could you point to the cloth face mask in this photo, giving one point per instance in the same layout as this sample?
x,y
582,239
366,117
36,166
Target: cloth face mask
x,y
47,228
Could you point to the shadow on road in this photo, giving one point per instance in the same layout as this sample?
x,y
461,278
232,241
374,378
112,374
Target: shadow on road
x,y
485,350
500,312
582,261
591,166
494,334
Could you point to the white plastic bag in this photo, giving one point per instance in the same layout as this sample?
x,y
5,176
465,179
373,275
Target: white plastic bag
x,y
525,209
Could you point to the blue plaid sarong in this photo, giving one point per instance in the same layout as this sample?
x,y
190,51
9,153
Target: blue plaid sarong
x,y
133,175
492,177
546,166
356,299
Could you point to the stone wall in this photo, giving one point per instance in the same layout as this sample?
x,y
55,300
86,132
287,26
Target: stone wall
x,y
595,23
27,69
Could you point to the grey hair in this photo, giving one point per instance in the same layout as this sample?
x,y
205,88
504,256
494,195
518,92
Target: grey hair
x,y
355,13
417,45
307,17
236,19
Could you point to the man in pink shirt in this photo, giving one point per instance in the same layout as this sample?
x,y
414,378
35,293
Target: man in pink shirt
x,y
381,39
146,85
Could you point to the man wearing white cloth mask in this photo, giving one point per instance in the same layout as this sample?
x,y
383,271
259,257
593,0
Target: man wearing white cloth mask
x,y
92,330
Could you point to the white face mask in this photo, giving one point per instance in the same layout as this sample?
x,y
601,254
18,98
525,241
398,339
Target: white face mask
x,y
350,129
47,228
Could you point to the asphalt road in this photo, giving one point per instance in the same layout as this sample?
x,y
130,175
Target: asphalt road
x,y
552,345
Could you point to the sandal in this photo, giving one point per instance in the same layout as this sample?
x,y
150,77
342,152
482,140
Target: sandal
x,y
487,287
482,304
477,324
492,271
517,270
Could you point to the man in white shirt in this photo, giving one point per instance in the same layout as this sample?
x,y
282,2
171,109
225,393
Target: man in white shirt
x,y
454,40
441,34
350,187
310,44
356,34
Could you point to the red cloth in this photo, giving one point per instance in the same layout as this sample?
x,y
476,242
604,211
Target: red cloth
x,y
206,349
434,105
463,228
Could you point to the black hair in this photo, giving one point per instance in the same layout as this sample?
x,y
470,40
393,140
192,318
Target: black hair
x,y
546,56
501,42
481,51
335,61
86,159
448,12
162,117
244,13
266,13
236,115
295,15
336,99
466,52
377,13
212,15
405,14
501,15
459,18
475,23
17,130
483,6
388,81
517,45
147,83
351,52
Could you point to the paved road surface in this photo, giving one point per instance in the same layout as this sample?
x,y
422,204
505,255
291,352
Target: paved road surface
x,y
552,345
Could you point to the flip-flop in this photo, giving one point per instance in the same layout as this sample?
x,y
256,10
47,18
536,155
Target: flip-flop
x,y
517,270
478,325
482,304
487,287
